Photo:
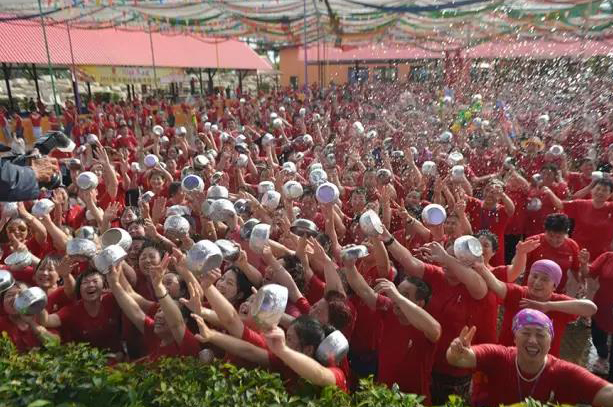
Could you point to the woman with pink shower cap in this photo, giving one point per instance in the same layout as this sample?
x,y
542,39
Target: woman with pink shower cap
x,y
540,294
527,369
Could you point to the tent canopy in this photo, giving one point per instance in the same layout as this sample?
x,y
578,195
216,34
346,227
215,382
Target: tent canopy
x,y
22,42
345,22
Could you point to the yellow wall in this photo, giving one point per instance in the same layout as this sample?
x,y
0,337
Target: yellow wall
x,y
290,65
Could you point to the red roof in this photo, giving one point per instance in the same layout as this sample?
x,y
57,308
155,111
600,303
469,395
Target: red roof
x,y
22,42
541,49
368,53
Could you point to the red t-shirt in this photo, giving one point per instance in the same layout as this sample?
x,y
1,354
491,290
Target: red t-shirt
x,y
576,181
493,220
189,345
487,317
405,354
56,300
454,308
535,220
602,268
566,382
102,331
517,222
35,119
593,227
23,340
515,293
566,256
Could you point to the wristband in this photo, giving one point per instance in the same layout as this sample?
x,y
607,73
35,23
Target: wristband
x,y
389,242
162,297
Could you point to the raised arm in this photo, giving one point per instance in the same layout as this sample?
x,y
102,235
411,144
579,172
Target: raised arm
x,y
583,308
472,281
382,259
230,344
226,313
417,316
306,367
127,304
459,353
36,227
410,265
171,310
518,265
360,286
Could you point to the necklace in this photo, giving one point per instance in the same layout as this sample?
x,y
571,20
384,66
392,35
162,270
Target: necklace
x,y
534,379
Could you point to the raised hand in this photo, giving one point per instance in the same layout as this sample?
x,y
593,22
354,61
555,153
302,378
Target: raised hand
x,y
527,246
584,257
157,272
206,333
194,304
387,288
460,346
275,340
208,279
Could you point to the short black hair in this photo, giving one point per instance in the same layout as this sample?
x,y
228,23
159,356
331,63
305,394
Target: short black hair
x,y
489,236
89,272
605,182
310,331
423,290
557,223
174,188
151,244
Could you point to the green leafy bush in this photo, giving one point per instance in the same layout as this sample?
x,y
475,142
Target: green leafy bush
x,y
77,375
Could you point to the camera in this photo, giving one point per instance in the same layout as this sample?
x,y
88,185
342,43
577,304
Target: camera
x,y
43,146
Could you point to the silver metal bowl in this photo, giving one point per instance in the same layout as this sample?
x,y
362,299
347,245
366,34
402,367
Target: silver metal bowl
x,y
109,256
259,237
42,207
269,305
19,259
217,192
81,247
31,301
370,223
354,252
467,249
6,280
117,236
229,249
247,228
433,214
203,257
304,227
332,350
176,224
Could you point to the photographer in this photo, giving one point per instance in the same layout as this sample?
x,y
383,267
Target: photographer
x,y
19,183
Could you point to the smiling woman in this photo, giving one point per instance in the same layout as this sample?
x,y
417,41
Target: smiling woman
x,y
528,370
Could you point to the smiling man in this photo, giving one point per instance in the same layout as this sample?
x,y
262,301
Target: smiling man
x,y
527,369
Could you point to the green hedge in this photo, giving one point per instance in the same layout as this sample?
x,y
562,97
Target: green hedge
x,y
77,375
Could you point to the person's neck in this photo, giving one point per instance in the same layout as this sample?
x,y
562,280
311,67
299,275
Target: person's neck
x,y
531,366
92,307
50,289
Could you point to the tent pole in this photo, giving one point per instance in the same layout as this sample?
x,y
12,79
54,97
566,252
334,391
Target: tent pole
x,y
7,76
306,73
200,80
155,79
75,83
129,95
89,91
42,21
36,81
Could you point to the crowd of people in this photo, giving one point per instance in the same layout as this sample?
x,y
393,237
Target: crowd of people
x,y
404,219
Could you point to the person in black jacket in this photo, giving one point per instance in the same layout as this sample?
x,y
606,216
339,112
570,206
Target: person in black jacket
x,y
19,183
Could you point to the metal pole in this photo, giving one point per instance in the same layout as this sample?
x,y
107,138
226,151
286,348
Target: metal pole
x,y
36,82
200,80
7,80
42,21
155,77
306,73
75,83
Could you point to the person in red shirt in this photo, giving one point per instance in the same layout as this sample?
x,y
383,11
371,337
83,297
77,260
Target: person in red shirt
x,y
490,215
18,125
46,276
555,245
94,318
601,269
580,183
536,215
528,369
593,218
457,294
544,276
22,330
166,334
408,332
291,354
